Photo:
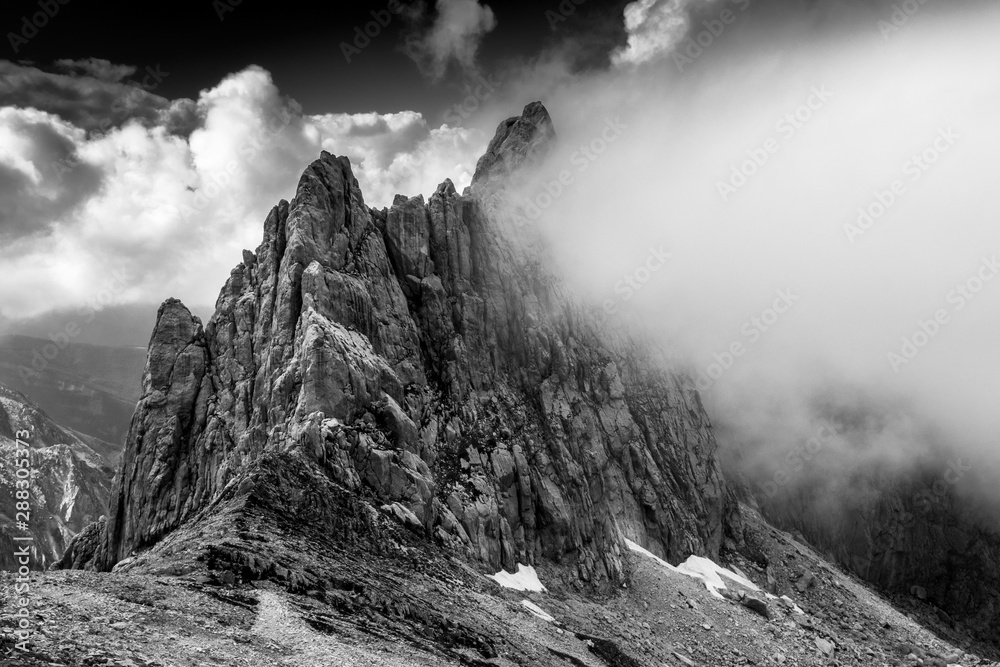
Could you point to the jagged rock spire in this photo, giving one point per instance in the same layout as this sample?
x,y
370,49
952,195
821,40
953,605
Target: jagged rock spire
x,y
414,357
518,140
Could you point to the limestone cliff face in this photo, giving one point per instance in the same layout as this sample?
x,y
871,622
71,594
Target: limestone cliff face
x,y
429,363
518,141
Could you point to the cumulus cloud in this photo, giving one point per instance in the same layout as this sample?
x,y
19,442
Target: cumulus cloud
x,y
654,28
92,97
41,178
141,213
454,36
400,153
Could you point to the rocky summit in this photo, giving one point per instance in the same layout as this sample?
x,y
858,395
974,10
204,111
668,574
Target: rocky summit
x,y
422,361
388,405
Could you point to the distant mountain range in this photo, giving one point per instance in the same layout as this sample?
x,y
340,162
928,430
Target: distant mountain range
x,y
69,481
90,389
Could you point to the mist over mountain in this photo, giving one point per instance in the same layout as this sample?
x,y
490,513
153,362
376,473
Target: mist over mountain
x,y
829,220
366,372
693,363
123,325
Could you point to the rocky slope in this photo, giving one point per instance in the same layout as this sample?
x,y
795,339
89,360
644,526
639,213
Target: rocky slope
x,y
388,597
422,360
914,538
69,483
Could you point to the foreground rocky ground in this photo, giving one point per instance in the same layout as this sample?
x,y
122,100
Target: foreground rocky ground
x,y
413,604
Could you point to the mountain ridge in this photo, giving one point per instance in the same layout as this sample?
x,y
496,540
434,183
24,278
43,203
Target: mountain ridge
x,y
389,403
68,484
418,354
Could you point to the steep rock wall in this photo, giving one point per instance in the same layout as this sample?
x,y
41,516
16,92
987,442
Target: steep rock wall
x,y
426,357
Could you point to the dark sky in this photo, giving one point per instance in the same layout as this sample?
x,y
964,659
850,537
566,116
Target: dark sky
x,y
298,42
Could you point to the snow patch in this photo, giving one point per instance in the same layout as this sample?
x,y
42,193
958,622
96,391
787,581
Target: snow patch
x,y
703,569
711,574
538,611
526,579
648,554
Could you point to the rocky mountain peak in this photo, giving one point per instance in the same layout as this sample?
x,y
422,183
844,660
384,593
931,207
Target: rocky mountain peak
x,y
518,140
420,362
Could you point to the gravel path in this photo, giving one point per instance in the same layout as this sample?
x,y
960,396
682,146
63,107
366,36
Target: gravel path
x,y
279,623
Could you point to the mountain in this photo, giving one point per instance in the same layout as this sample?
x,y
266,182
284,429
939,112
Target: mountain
x,y
911,537
88,388
69,484
418,358
390,403
382,594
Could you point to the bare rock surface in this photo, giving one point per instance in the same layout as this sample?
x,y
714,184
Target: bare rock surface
x,y
388,406
914,541
427,361
62,483
247,585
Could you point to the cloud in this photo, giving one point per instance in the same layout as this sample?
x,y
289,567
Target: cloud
x,y
92,103
40,177
785,227
654,28
400,153
141,213
97,68
145,211
454,36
